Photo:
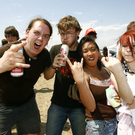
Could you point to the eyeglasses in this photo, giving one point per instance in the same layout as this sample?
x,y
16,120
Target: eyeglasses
x,y
66,34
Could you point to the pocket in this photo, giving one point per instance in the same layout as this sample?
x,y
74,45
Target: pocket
x,y
96,126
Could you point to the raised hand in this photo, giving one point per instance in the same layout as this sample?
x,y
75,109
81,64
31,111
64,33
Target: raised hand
x,y
12,59
112,64
77,70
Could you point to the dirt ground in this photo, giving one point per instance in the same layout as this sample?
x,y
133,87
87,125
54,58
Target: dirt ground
x,y
44,89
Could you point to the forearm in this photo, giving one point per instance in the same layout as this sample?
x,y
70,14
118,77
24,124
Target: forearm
x,y
49,73
86,96
123,88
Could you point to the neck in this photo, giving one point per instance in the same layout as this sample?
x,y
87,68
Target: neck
x,y
29,54
88,68
131,66
73,47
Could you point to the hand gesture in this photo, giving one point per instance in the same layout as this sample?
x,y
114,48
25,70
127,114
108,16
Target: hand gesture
x,y
112,64
12,59
77,70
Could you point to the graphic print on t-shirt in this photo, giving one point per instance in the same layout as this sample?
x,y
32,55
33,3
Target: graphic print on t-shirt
x,y
65,70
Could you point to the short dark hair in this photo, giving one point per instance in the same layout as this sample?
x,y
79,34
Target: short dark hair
x,y
89,39
42,20
4,41
11,30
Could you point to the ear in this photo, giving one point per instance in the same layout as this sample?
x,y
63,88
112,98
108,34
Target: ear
x,y
27,33
78,32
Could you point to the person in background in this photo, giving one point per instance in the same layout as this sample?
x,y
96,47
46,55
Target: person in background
x,y
62,107
11,34
12,59
4,41
131,25
125,84
17,98
91,33
92,80
105,52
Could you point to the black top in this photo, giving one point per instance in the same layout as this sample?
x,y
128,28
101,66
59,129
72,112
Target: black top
x,y
63,80
15,91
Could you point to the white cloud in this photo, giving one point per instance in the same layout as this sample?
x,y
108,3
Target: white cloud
x,y
79,13
19,20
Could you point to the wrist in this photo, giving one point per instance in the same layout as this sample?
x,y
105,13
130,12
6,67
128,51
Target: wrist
x,y
53,66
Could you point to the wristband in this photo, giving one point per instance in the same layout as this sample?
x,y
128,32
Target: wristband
x,y
53,66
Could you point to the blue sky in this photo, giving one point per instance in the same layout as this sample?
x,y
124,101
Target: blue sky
x,y
108,17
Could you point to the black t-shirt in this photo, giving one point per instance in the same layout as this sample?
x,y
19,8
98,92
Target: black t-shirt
x,y
63,80
15,91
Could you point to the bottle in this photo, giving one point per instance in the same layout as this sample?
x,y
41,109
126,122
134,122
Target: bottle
x,y
64,50
18,71
110,93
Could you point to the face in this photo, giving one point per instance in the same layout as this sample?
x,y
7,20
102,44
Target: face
x,y
37,38
127,53
11,38
69,36
92,36
90,54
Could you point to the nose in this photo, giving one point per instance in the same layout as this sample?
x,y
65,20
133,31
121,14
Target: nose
x,y
128,49
40,37
89,52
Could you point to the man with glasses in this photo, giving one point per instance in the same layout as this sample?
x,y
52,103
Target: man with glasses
x,y
63,107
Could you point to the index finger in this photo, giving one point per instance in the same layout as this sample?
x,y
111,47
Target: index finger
x,y
68,61
16,47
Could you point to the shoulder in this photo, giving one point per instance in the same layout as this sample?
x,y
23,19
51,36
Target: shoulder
x,y
56,47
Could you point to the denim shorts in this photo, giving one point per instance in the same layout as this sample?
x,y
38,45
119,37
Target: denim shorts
x,y
26,118
101,127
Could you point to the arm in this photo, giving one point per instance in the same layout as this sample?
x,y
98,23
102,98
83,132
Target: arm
x,y
86,96
119,79
12,59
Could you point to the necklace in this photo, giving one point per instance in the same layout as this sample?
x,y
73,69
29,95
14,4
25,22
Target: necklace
x,y
127,69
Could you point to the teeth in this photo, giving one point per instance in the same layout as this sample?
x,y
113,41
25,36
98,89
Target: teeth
x,y
91,59
37,44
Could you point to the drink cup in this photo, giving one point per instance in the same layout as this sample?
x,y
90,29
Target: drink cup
x,y
64,50
110,93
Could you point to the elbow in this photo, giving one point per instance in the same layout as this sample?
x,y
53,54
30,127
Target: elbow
x,y
91,108
47,78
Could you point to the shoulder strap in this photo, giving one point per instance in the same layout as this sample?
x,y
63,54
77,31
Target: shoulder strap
x,y
106,70
87,75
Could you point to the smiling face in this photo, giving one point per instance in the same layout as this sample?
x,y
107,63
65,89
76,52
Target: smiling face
x,y
90,54
37,38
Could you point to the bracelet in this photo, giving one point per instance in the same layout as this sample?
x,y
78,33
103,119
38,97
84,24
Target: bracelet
x,y
53,66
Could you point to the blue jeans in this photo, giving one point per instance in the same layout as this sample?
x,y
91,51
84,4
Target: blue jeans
x,y
57,117
102,127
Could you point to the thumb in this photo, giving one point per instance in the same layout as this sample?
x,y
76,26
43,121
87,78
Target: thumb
x,y
82,62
